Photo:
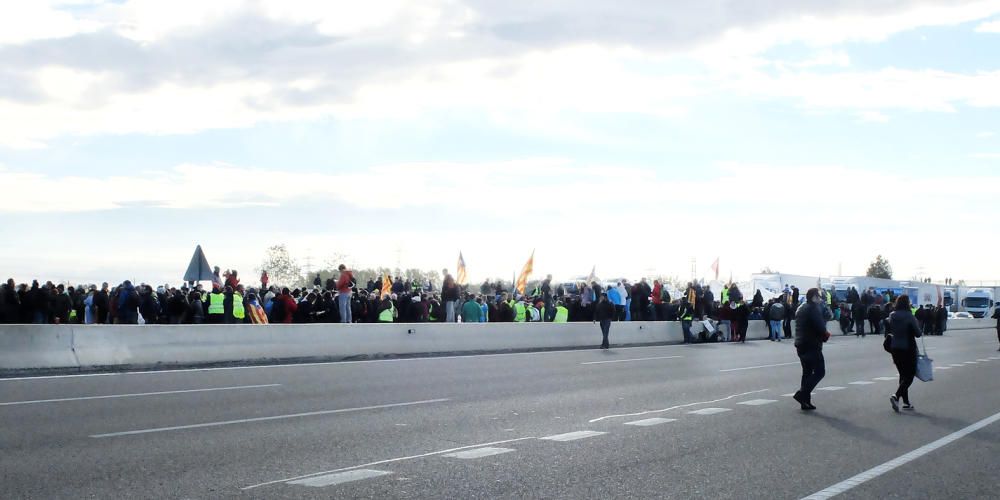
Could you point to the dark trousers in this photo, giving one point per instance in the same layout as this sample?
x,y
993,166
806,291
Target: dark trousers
x,y
906,365
787,327
605,329
813,370
620,310
860,326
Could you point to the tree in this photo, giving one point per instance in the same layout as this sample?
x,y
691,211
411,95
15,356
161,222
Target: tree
x,y
280,266
880,268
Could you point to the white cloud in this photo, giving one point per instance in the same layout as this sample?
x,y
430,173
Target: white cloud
x,y
872,117
989,27
189,66
985,156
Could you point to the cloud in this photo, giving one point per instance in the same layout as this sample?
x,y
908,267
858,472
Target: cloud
x,y
872,117
985,156
989,27
984,135
189,66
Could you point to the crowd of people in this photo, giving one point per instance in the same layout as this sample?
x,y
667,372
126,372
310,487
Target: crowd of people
x,y
398,300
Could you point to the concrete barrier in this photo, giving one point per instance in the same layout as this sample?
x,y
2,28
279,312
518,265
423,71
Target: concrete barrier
x,y
53,347
26,347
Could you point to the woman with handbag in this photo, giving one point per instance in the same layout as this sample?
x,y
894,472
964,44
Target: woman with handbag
x,y
903,348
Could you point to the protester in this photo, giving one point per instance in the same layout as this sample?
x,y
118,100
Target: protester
x,y
810,334
604,312
903,347
996,316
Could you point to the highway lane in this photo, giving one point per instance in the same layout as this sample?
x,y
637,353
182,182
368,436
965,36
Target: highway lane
x,y
304,420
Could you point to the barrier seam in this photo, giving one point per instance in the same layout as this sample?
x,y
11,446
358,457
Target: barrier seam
x,y
72,346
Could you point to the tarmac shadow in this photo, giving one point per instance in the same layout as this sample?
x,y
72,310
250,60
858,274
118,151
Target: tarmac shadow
x,y
852,429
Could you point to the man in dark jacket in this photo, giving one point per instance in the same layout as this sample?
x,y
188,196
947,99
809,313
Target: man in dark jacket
x,y
996,316
604,312
810,334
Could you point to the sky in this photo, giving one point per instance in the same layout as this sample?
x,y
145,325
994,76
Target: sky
x,y
641,137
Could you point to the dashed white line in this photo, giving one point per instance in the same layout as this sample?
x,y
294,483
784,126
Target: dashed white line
x,y
686,405
138,394
758,402
627,360
572,436
983,360
651,421
880,470
264,419
971,362
957,365
831,388
862,382
709,411
381,462
883,379
759,366
478,453
339,478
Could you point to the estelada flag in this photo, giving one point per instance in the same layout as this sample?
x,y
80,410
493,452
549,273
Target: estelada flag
x,y
715,267
522,280
386,285
462,278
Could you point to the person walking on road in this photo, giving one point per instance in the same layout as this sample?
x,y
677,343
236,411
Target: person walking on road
x,y
996,316
904,332
810,334
604,312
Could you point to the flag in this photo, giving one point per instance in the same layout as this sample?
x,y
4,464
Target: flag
x,y
593,275
461,278
715,267
522,280
386,285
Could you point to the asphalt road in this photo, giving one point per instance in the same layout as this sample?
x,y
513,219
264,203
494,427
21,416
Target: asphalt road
x,y
702,421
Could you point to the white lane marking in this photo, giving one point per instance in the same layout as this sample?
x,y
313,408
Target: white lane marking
x,y
758,402
944,368
790,394
627,360
325,363
971,362
759,366
957,365
709,411
478,453
831,388
994,357
982,360
883,379
264,419
340,478
651,421
877,471
138,394
687,405
862,382
572,436
388,461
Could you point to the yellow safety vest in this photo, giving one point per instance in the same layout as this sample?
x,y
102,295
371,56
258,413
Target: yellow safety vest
x,y
387,315
215,303
562,315
238,311
519,312
725,295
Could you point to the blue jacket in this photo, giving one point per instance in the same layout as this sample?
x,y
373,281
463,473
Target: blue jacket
x,y
613,296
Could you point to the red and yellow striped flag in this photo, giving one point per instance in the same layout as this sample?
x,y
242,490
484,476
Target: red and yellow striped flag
x,y
522,280
386,285
461,278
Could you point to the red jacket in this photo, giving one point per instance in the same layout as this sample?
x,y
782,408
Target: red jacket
x,y
344,283
290,307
